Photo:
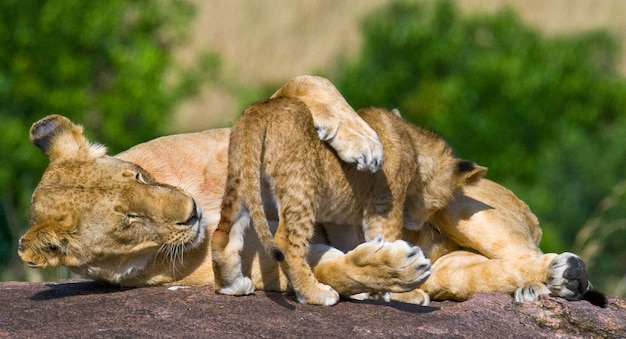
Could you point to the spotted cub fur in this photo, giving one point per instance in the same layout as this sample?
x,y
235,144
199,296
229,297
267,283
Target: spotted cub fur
x,y
274,145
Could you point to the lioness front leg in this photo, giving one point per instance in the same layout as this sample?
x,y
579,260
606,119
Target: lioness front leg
x,y
336,122
460,274
375,266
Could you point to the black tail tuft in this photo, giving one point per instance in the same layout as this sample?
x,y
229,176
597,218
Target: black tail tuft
x,y
596,297
278,255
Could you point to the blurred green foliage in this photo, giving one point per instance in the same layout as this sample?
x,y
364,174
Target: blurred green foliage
x,y
545,114
106,64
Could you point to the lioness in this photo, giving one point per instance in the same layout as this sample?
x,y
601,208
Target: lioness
x,y
273,142
130,219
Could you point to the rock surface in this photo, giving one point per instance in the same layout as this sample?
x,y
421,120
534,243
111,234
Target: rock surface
x,y
86,309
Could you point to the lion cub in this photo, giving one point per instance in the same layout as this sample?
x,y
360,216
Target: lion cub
x,y
275,142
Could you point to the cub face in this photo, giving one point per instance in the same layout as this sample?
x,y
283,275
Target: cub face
x,y
89,208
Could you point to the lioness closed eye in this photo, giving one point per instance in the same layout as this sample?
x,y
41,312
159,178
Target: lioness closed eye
x,y
274,141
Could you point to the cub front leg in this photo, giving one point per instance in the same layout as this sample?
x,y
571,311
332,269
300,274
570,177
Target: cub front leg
x,y
336,122
382,215
352,138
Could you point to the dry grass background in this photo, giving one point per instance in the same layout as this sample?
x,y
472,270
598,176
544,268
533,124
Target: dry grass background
x,y
271,41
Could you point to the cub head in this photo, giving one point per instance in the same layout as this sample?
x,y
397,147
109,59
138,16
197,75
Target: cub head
x,y
90,210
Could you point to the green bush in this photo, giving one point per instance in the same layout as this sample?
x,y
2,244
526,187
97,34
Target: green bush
x,y
106,64
541,112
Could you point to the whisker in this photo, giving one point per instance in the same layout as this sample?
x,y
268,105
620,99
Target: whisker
x,y
159,252
173,255
177,251
182,253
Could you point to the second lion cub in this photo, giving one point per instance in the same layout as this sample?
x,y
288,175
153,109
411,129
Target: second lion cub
x,y
274,144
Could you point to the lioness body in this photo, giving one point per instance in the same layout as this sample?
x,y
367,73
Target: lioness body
x,y
82,229
274,142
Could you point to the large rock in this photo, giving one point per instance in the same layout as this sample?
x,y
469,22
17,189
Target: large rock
x,y
87,309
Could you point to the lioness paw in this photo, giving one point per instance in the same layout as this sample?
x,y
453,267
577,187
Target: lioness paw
x,y
241,286
390,266
417,297
322,294
567,276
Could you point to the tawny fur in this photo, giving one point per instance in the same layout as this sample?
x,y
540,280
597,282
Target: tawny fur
x,y
77,220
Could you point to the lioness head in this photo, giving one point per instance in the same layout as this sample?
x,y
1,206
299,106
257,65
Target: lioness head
x,y
90,209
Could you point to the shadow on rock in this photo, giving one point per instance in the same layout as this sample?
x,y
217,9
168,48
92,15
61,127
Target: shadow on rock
x,y
282,300
400,306
57,291
289,301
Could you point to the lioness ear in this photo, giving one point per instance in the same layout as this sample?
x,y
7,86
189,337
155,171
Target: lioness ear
x,y
469,172
60,139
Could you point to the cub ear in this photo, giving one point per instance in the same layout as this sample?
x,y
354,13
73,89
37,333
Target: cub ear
x,y
469,172
60,139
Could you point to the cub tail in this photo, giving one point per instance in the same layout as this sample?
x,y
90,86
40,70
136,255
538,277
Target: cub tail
x,y
246,141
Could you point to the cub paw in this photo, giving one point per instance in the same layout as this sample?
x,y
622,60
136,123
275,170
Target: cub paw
x,y
323,295
567,276
354,141
241,286
389,266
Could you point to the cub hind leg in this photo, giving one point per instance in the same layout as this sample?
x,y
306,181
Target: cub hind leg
x,y
226,245
295,230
